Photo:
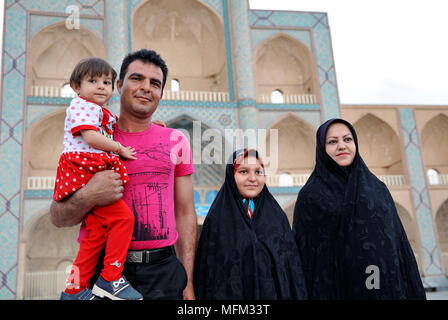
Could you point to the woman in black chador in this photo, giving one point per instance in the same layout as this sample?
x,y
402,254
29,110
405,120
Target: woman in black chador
x,y
350,238
246,249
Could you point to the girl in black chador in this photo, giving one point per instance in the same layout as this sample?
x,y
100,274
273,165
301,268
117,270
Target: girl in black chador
x,y
350,238
246,249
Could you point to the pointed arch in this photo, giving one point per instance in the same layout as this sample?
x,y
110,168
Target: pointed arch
x,y
411,229
47,249
441,221
43,144
434,144
54,51
184,31
379,145
285,63
296,144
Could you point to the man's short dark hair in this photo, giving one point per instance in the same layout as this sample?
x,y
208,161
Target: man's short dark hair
x,y
94,67
146,56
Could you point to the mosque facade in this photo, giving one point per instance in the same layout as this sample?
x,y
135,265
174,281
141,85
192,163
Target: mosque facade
x,y
232,71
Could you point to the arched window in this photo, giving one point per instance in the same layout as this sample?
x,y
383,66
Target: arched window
x,y
433,176
67,91
175,85
277,97
285,180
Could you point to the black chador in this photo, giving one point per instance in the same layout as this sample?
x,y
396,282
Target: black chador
x,y
239,257
351,241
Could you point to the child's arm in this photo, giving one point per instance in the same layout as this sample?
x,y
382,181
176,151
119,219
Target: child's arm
x,y
98,141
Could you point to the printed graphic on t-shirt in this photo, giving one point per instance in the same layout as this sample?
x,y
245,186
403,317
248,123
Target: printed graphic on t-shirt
x,y
149,195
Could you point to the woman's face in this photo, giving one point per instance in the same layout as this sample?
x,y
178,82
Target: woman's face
x,y
249,177
339,144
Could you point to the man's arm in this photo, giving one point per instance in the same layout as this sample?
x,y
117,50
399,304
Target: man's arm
x,y
105,187
186,224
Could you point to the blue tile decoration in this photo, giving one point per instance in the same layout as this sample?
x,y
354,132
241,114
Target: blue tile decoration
x,y
422,206
213,117
228,50
86,7
242,52
39,22
116,41
242,55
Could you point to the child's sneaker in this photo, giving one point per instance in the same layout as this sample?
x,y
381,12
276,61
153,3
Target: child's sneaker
x,y
116,290
85,294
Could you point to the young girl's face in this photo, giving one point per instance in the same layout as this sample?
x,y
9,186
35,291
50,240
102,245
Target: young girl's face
x,y
249,177
96,89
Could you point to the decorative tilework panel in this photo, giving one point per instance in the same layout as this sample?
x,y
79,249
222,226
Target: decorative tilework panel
x,y
14,31
12,104
228,51
242,52
116,41
422,205
216,5
8,247
248,118
86,7
39,22
293,19
218,118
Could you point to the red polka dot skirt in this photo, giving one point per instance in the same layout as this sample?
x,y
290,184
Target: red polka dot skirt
x,y
76,168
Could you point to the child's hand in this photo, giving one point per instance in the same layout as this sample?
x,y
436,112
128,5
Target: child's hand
x,y
127,152
159,123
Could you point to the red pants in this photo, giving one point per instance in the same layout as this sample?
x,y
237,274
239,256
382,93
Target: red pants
x,y
109,226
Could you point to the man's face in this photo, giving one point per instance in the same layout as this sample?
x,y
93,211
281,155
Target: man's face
x,y
141,89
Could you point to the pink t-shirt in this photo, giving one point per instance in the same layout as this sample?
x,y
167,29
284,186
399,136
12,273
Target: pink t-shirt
x,y
162,155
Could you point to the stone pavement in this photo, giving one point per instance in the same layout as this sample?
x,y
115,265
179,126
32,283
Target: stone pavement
x,y
437,295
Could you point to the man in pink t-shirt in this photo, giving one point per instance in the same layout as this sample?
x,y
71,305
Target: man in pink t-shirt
x,y
159,191
150,192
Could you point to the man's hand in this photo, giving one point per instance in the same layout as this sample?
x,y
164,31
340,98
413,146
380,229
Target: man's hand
x,y
186,225
104,188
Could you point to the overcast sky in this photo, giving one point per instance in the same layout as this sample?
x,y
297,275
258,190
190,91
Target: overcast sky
x,y
385,51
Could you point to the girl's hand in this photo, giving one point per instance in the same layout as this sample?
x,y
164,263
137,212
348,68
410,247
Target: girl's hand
x,y
127,152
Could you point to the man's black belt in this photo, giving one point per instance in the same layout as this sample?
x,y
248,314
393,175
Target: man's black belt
x,y
149,256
